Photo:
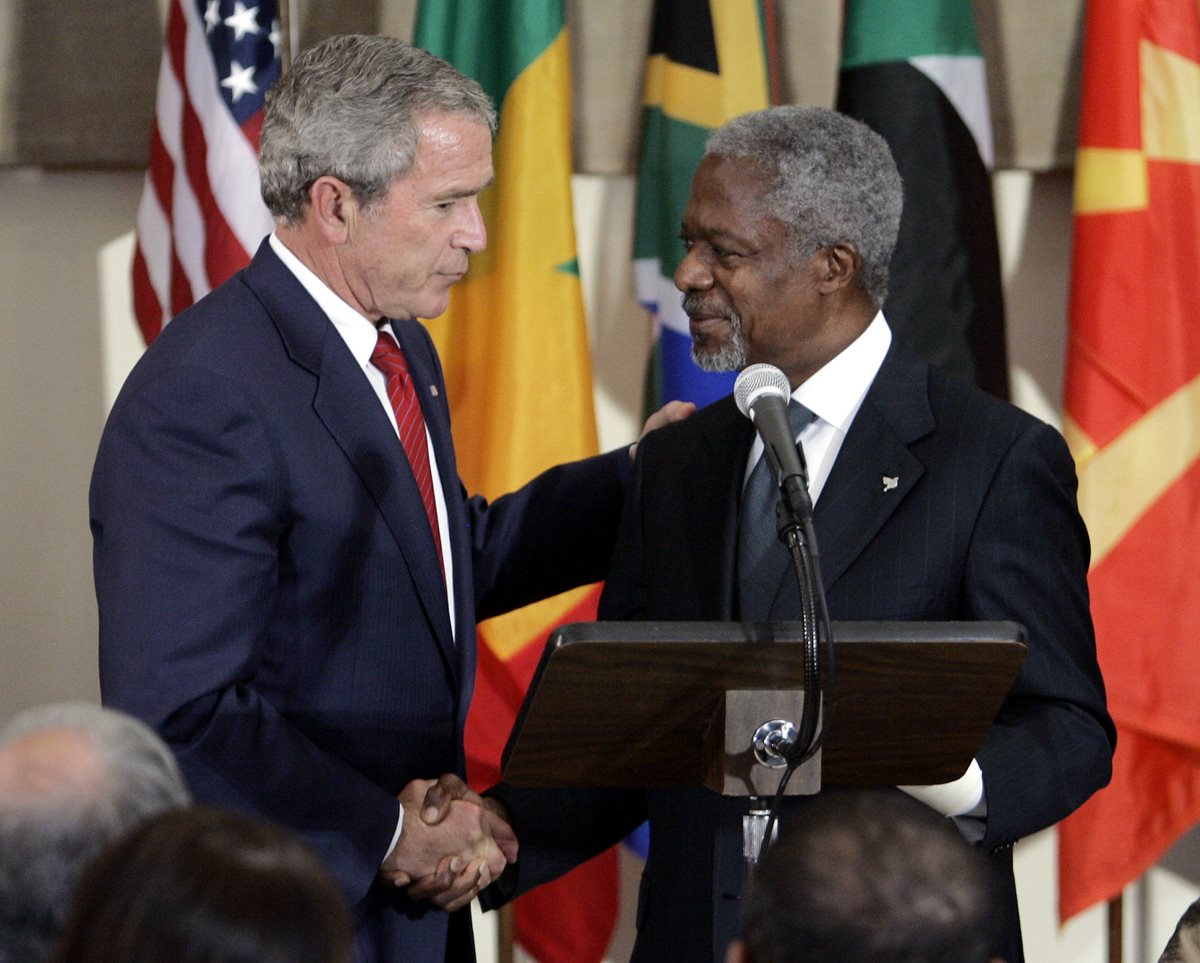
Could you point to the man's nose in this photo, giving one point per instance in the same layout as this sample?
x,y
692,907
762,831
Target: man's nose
x,y
693,274
472,232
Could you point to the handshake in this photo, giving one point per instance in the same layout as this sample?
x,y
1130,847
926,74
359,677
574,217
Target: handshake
x,y
453,843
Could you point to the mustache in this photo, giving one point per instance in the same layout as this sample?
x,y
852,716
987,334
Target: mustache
x,y
694,304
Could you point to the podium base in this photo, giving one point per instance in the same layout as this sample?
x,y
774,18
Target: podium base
x,y
734,768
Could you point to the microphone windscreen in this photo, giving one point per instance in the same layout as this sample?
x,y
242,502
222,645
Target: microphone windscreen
x,y
756,381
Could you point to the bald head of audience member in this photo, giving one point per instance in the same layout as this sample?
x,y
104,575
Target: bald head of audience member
x,y
867,877
73,778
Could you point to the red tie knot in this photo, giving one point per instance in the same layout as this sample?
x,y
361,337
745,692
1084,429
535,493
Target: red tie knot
x,y
388,357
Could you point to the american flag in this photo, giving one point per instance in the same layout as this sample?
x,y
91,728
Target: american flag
x,y
201,216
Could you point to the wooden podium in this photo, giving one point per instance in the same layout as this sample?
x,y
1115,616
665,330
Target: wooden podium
x,y
676,703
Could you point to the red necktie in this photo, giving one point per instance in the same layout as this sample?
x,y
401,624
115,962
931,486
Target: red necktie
x,y
410,423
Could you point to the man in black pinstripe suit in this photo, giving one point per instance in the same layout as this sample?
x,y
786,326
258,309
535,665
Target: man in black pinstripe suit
x,y
933,501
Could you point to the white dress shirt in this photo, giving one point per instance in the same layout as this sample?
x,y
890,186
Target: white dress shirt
x,y
834,394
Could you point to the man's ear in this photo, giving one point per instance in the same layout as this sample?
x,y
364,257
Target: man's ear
x,y
333,208
839,264
736,953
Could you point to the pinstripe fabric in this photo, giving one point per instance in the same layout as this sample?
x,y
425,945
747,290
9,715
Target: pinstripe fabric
x,y
410,424
268,598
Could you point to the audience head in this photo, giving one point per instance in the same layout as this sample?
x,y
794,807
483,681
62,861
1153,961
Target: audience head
x,y
867,877
352,107
73,777
206,885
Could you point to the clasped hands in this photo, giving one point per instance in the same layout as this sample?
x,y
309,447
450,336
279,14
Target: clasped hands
x,y
452,843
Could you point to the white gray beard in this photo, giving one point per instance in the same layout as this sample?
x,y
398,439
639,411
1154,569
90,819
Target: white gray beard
x,y
730,355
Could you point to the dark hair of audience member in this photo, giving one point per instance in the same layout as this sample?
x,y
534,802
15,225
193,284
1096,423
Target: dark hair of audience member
x,y
206,885
869,877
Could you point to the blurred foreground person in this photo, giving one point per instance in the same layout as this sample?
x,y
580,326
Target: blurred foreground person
x,y
1184,945
868,877
73,777
209,885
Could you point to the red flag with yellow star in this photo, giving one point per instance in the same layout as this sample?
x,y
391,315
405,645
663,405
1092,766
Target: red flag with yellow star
x,y
1133,421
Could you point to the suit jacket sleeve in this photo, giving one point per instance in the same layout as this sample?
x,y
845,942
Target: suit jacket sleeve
x,y
187,514
622,596
551,535
558,829
1051,745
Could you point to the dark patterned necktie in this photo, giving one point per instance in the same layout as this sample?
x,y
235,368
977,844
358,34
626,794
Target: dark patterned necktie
x,y
761,556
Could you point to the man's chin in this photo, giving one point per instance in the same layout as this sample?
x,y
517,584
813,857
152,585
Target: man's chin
x,y
725,357
432,308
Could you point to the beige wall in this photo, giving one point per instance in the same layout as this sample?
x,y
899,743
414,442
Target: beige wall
x,y
50,416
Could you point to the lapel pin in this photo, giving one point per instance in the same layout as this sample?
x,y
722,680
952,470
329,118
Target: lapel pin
x,y
891,482
433,390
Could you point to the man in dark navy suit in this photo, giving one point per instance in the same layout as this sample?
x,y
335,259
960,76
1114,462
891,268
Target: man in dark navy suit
x,y
288,569
933,501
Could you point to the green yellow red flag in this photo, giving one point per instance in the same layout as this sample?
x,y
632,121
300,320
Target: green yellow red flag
x,y
514,345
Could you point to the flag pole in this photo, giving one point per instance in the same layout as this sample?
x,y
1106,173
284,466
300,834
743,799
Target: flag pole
x,y
288,33
771,42
506,935
1116,941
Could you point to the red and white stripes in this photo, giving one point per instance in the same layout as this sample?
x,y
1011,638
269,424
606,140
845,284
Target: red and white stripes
x,y
201,216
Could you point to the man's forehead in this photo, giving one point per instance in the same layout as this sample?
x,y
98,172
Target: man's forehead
x,y
445,130
454,148
729,202
739,183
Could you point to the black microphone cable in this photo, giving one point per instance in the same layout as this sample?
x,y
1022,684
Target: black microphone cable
x,y
800,538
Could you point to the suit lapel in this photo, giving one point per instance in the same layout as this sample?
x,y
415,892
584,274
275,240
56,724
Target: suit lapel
x,y
350,411
875,470
431,388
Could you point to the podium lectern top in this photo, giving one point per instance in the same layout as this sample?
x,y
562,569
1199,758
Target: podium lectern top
x,y
634,703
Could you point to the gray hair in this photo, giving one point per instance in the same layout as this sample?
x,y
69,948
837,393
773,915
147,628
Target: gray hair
x,y
49,832
834,182
351,107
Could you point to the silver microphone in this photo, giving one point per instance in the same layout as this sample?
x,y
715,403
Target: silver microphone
x,y
762,393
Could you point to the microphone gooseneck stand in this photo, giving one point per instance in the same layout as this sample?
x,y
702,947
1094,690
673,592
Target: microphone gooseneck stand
x,y
795,746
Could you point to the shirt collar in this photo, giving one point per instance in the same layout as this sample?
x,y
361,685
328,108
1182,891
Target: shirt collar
x,y
359,333
836,391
